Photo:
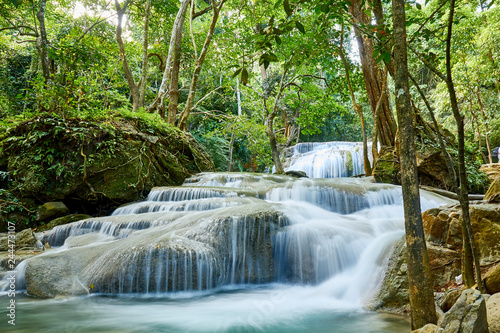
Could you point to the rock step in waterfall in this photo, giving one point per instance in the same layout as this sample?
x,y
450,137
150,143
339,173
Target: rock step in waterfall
x,y
223,229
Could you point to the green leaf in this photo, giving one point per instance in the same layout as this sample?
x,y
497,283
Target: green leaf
x,y
419,6
278,40
325,8
237,72
300,27
272,57
386,56
266,64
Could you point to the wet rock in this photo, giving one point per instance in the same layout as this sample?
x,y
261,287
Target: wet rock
x,y
493,193
21,255
63,220
493,310
468,314
393,295
296,174
51,210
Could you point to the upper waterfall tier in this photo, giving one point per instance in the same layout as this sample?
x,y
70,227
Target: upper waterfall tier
x,y
326,159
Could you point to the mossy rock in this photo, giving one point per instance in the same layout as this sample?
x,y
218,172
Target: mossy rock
x,y
64,220
386,168
95,166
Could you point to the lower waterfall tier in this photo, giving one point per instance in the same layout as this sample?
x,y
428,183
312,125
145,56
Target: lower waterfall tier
x,y
258,229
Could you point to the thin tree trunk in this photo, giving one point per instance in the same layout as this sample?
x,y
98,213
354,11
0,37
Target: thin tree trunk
x,y
134,90
485,120
358,108
420,287
42,42
469,247
183,118
479,138
238,96
231,143
158,104
142,82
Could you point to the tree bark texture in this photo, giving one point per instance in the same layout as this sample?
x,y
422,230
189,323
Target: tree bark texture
x,y
144,74
158,105
469,248
373,74
42,44
183,118
420,286
134,89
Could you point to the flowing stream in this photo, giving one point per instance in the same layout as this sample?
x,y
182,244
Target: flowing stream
x,y
225,252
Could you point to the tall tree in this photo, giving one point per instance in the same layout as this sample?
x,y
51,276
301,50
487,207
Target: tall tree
x,y
372,73
420,288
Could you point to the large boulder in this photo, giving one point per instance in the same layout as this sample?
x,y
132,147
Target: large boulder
x,y
94,166
493,310
492,279
468,314
51,210
444,223
493,193
159,252
492,170
432,169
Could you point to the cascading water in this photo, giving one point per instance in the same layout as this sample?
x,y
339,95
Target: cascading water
x,y
326,159
250,252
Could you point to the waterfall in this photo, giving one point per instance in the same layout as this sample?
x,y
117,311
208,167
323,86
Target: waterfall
x,y
235,250
223,229
326,159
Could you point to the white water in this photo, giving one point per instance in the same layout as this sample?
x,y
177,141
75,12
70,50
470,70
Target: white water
x,y
192,259
328,159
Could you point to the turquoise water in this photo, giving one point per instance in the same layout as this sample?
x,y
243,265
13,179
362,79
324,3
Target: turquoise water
x,y
267,309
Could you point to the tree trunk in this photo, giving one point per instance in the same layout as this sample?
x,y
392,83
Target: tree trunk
x,y
183,118
469,247
358,108
420,286
42,44
134,90
142,82
158,104
372,75
231,143
485,119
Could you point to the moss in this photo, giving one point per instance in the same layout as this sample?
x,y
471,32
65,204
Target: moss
x,y
103,163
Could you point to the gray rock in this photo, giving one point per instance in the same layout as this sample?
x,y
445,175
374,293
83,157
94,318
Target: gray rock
x,y
51,210
296,174
468,315
23,240
493,309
